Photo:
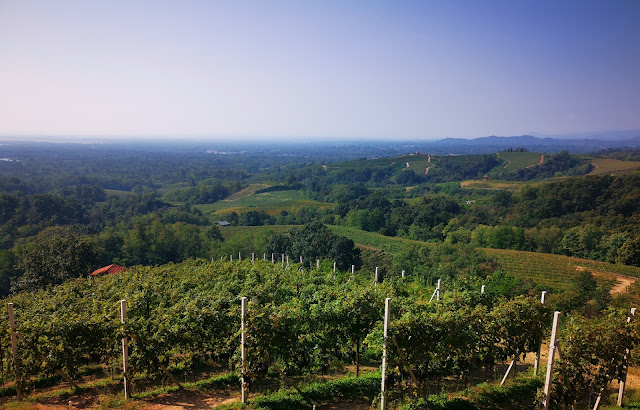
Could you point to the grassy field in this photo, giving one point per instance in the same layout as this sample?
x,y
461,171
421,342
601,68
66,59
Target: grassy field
x,y
271,202
493,185
608,165
117,192
519,160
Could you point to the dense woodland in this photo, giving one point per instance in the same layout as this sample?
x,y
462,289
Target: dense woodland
x,y
65,210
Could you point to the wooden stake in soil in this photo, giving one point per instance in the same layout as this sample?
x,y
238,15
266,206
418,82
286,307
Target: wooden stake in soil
x,y
552,353
243,351
125,349
14,350
436,293
536,363
383,393
623,382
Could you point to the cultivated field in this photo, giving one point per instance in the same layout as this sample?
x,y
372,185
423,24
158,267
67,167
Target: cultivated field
x,y
608,165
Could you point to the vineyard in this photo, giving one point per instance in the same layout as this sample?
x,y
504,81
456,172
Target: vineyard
x,y
312,336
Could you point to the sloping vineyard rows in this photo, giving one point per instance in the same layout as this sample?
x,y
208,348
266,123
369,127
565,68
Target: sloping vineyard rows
x,y
298,322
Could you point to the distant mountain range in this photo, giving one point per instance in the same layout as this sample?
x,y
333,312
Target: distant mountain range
x,y
531,143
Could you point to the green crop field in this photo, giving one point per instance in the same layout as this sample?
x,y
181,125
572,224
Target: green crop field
x,y
553,271
519,160
271,202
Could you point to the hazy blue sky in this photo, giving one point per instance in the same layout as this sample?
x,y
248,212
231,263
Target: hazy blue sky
x,y
365,69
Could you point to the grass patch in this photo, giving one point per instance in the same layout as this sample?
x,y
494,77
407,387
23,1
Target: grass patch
x,y
345,389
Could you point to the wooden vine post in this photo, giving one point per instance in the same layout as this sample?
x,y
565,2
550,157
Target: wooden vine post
x,y
552,353
436,293
243,351
125,349
375,278
383,392
536,363
623,382
334,267
14,350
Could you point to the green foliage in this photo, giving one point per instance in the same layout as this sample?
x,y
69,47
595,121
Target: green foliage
x,y
52,258
593,355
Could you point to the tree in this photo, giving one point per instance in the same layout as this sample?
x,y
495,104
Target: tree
x,y
52,258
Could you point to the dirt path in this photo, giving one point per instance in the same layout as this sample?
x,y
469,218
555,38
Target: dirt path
x,y
622,282
407,165
508,163
621,286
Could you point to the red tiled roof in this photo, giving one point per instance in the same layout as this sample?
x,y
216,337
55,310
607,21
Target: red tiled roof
x,y
107,270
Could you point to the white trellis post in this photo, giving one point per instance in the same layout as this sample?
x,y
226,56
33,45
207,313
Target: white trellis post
x,y
287,260
318,264
536,363
273,258
282,259
125,349
403,273
300,259
353,269
334,267
243,350
436,293
552,353
239,256
375,278
14,349
482,289
383,393
264,256
253,257
623,382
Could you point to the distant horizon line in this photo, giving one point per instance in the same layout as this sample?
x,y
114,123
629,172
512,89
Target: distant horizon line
x,y
95,139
